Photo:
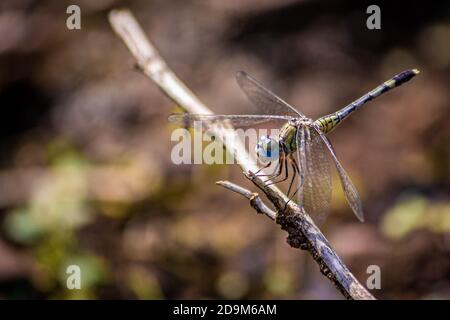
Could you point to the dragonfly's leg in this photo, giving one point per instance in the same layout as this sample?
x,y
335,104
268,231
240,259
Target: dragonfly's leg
x,y
296,169
302,178
293,176
276,172
265,167
285,176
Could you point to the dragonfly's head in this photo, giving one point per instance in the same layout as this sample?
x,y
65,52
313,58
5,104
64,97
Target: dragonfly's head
x,y
268,149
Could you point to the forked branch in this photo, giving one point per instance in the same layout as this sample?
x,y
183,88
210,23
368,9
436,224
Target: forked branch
x,y
302,232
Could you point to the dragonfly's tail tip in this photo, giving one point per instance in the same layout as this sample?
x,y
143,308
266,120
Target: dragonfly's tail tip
x,y
416,71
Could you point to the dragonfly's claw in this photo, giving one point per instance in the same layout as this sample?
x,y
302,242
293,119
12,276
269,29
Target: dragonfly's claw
x,y
286,206
250,174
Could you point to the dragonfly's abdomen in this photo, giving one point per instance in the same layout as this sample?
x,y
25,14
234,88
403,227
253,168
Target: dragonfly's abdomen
x,y
329,122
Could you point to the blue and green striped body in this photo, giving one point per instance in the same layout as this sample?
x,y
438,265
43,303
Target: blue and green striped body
x,y
330,122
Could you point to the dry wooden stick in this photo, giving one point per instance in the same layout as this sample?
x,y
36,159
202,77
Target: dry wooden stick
x,y
302,232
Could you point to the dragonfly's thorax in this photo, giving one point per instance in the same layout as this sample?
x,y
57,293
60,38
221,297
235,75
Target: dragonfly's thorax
x,y
288,135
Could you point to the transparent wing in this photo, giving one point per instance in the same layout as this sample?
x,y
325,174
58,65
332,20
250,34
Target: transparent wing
x,y
350,191
266,101
187,119
316,168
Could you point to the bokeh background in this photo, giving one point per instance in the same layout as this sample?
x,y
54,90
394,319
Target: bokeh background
x,y
85,170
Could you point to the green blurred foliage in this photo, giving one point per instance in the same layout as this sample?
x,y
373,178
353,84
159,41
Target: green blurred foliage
x,y
413,213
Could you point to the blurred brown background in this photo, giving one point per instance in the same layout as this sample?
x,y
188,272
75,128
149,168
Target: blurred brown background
x,y
85,170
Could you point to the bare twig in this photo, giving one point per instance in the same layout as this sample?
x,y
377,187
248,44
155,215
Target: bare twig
x,y
255,199
302,232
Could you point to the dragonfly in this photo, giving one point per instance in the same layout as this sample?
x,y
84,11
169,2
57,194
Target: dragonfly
x,y
301,145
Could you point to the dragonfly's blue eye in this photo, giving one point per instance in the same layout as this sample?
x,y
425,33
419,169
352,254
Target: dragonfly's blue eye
x,y
267,149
